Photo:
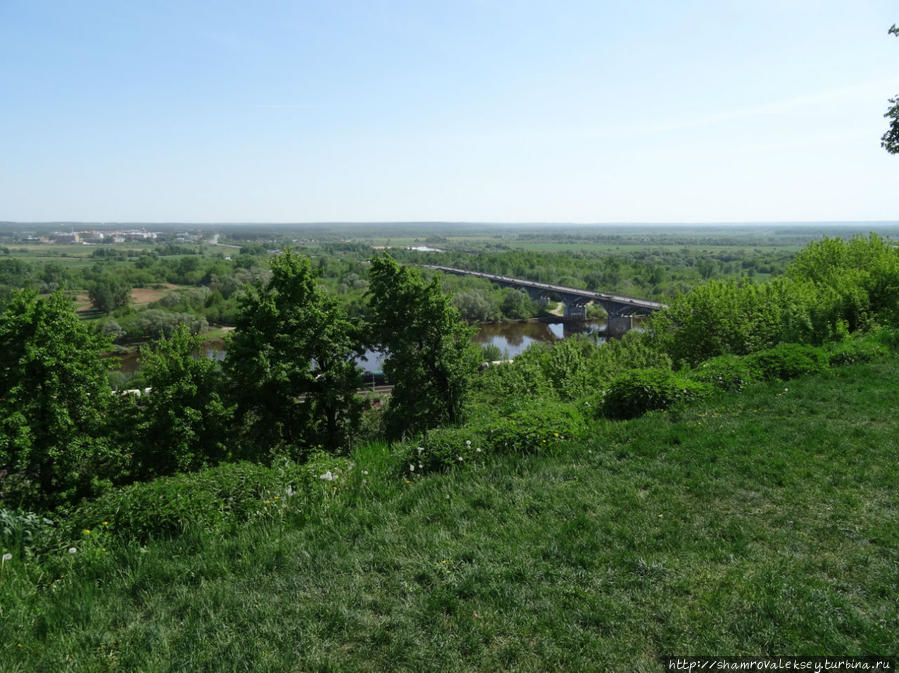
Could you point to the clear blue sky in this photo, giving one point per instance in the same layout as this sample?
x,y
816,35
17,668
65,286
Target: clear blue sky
x,y
478,110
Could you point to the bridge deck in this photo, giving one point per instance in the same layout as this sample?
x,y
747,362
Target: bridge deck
x,y
643,304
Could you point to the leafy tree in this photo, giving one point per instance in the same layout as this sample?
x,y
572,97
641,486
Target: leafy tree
x,y
290,361
475,306
184,422
517,304
430,356
108,293
890,140
53,398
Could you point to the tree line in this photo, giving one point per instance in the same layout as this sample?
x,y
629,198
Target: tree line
x,y
287,386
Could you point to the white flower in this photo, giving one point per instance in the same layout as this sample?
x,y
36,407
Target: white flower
x,y
420,466
478,449
459,458
288,491
467,442
365,472
420,449
327,476
411,467
7,557
72,550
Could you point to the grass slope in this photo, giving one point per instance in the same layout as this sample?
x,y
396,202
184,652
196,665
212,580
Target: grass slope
x,y
760,523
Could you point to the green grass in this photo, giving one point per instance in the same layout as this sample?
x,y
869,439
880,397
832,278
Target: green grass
x,y
757,523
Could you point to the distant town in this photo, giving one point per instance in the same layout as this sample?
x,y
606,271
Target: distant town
x,y
94,237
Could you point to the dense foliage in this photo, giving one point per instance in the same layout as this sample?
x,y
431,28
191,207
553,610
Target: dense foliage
x,y
53,402
290,365
430,357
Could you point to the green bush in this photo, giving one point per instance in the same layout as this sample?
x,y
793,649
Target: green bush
x,y
727,372
537,427
217,498
854,351
787,361
26,534
889,337
643,390
443,448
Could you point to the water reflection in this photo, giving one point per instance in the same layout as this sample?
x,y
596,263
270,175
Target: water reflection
x,y
514,338
511,338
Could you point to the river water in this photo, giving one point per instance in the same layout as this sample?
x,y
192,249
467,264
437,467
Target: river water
x,y
511,338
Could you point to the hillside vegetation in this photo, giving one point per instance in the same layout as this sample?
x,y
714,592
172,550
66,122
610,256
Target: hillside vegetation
x,y
756,522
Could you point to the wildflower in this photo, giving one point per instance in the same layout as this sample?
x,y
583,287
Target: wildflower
x,y
467,442
411,467
420,466
105,523
478,449
288,491
7,557
73,550
86,531
365,472
327,476
459,458
420,449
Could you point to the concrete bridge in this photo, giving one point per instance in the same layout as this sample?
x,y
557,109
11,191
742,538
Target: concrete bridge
x,y
621,309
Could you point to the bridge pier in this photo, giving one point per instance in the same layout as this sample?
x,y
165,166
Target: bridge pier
x,y
575,311
617,325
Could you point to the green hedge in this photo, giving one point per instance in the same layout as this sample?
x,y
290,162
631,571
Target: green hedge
x,y
534,428
854,351
643,390
727,372
787,361
217,498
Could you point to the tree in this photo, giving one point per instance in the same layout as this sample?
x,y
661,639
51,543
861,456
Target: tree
x,y
184,422
107,294
290,361
430,356
890,140
53,398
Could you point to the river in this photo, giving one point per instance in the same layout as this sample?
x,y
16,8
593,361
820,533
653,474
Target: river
x,y
511,338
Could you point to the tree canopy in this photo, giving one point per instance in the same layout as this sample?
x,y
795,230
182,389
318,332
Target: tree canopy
x,y
890,140
53,397
290,361
430,356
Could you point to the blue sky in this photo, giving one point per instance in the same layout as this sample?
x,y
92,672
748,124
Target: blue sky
x,y
475,110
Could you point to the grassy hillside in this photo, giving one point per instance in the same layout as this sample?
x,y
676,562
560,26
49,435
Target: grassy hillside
x,y
765,522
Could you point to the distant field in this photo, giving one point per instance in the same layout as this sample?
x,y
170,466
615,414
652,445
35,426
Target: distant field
x,y
632,247
140,296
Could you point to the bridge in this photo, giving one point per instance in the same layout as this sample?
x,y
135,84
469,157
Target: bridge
x,y
620,309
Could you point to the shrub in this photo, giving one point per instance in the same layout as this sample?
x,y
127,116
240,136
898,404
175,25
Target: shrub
x,y
26,534
889,337
727,372
643,390
854,351
536,428
787,361
218,498
443,448
532,429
